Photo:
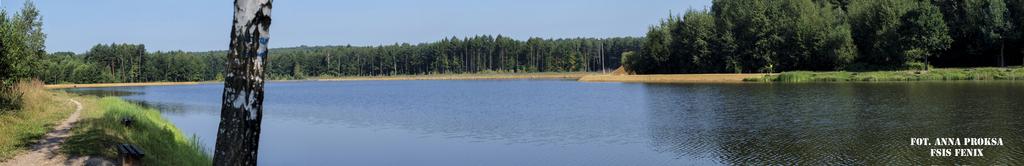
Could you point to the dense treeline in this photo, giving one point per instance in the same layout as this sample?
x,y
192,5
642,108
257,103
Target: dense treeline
x,y
127,63
454,55
131,63
784,35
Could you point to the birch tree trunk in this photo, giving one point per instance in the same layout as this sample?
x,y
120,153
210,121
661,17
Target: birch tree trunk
x,y
242,108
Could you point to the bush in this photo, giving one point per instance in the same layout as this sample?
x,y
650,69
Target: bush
x,y
798,76
917,66
9,99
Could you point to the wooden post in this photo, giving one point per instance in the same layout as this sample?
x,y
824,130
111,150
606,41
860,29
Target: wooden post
x,y
242,106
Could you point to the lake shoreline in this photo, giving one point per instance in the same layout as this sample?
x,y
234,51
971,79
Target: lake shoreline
x,y
673,78
104,85
937,74
503,76
941,74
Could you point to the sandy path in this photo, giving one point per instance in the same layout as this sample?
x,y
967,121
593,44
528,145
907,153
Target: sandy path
x,y
45,151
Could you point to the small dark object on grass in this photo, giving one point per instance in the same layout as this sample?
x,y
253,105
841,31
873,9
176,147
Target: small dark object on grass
x,y
128,121
129,154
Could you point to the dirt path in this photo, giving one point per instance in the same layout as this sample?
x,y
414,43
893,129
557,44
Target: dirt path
x,y
45,151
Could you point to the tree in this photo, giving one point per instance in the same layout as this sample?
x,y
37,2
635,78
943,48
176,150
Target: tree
x,y
923,32
630,62
695,37
654,52
875,31
989,17
21,44
1016,8
242,108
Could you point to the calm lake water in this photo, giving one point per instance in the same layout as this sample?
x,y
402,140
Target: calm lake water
x,y
556,122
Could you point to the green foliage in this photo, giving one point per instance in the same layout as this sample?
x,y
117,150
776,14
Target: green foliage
x,y
297,72
693,41
923,33
989,18
131,62
918,66
751,36
630,63
822,35
451,56
980,29
655,56
21,44
123,61
877,31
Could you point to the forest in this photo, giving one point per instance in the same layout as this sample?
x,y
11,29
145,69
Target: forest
x,y
132,63
738,36
733,36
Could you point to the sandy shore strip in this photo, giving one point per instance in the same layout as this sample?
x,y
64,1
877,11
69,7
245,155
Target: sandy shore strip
x,y
672,78
571,76
101,85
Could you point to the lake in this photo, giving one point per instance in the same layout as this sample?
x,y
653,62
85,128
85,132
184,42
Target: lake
x,y
564,122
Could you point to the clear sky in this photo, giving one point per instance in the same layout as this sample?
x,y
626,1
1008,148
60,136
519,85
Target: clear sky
x,y
203,25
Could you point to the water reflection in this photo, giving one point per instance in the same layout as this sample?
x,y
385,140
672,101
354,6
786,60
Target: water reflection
x,y
137,95
830,124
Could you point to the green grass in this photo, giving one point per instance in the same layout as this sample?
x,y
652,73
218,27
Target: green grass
x,y
945,74
164,144
41,111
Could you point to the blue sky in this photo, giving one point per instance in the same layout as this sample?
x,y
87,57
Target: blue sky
x,y
202,25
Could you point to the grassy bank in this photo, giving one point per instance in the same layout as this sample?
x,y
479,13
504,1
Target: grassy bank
x,y
40,112
163,143
943,74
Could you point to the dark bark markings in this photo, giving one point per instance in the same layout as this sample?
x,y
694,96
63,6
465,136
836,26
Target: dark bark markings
x,y
242,107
